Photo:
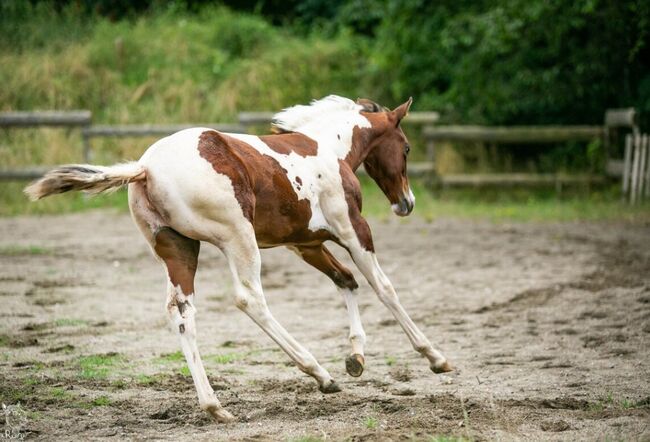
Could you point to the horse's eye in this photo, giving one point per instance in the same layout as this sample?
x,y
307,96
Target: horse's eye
x,y
407,149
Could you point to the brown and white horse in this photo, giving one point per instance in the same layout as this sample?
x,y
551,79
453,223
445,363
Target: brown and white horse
x,y
296,188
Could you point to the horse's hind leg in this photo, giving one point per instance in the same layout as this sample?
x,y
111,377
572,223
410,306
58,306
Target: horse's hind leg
x,y
244,259
179,255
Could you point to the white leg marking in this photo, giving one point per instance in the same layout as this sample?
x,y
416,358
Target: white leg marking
x,y
368,265
181,312
357,335
244,260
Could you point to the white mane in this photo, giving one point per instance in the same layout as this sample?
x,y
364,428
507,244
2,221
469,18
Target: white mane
x,y
295,117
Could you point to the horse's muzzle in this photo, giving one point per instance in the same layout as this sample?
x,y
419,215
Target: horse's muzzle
x,y
405,205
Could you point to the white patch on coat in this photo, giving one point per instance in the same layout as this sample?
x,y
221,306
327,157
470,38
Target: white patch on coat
x,y
188,193
329,121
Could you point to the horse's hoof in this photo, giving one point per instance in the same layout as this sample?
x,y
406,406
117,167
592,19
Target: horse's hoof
x,y
354,365
332,387
220,414
445,367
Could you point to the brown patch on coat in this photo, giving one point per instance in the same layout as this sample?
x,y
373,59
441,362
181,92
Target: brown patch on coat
x,y
321,258
285,143
352,190
180,255
262,187
224,153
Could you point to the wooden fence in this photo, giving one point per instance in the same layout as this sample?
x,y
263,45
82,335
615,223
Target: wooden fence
x,y
636,171
615,119
634,167
83,120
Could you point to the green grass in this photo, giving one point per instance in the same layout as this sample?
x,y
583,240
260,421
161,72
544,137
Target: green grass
x,y
390,361
16,250
610,401
97,366
176,356
101,401
70,322
370,422
306,439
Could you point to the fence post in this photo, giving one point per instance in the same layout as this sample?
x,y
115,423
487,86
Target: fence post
x,y
627,165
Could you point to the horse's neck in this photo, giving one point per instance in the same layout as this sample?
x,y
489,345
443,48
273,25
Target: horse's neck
x,y
348,136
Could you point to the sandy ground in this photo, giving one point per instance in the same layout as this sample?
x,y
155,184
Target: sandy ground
x,y
547,324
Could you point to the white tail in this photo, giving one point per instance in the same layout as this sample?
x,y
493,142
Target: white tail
x,y
86,177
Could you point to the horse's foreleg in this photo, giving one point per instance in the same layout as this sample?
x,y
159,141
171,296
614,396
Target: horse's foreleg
x,y
321,258
179,255
244,259
367,263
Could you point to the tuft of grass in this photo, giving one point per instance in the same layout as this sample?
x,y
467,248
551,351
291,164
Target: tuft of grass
x,y
306,439
17,250
609,401
97,366
146,380
69,322
185,371
390,361
58,393
448,439
226,358
32,381
370,422
171,357
101,401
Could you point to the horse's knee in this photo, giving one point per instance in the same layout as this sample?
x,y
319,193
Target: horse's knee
x,y
344,279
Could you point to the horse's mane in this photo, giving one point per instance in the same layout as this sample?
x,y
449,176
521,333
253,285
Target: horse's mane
x,y
295,117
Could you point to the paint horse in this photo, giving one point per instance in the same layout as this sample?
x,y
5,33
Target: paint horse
x,y
295,188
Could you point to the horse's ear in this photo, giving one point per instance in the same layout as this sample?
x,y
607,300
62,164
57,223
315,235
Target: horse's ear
x,y
402,110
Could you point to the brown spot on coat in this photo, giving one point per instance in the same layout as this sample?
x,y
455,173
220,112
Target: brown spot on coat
x,y
180,255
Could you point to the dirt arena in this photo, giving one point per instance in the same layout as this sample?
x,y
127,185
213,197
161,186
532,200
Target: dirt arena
x,y
547,324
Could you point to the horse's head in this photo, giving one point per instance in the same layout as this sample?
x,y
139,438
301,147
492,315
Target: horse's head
x,y
386,160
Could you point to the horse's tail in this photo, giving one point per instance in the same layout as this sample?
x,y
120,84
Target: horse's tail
x,y
89,178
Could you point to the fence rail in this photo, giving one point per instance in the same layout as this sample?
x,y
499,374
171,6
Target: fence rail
x,y
79,118
513,134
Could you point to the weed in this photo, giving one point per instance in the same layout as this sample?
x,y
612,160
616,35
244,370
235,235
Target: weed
x,y
97,366
306,439
390,361
58,393
370,422
101,401
171,357
67,322
226,358
185,371
17,250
